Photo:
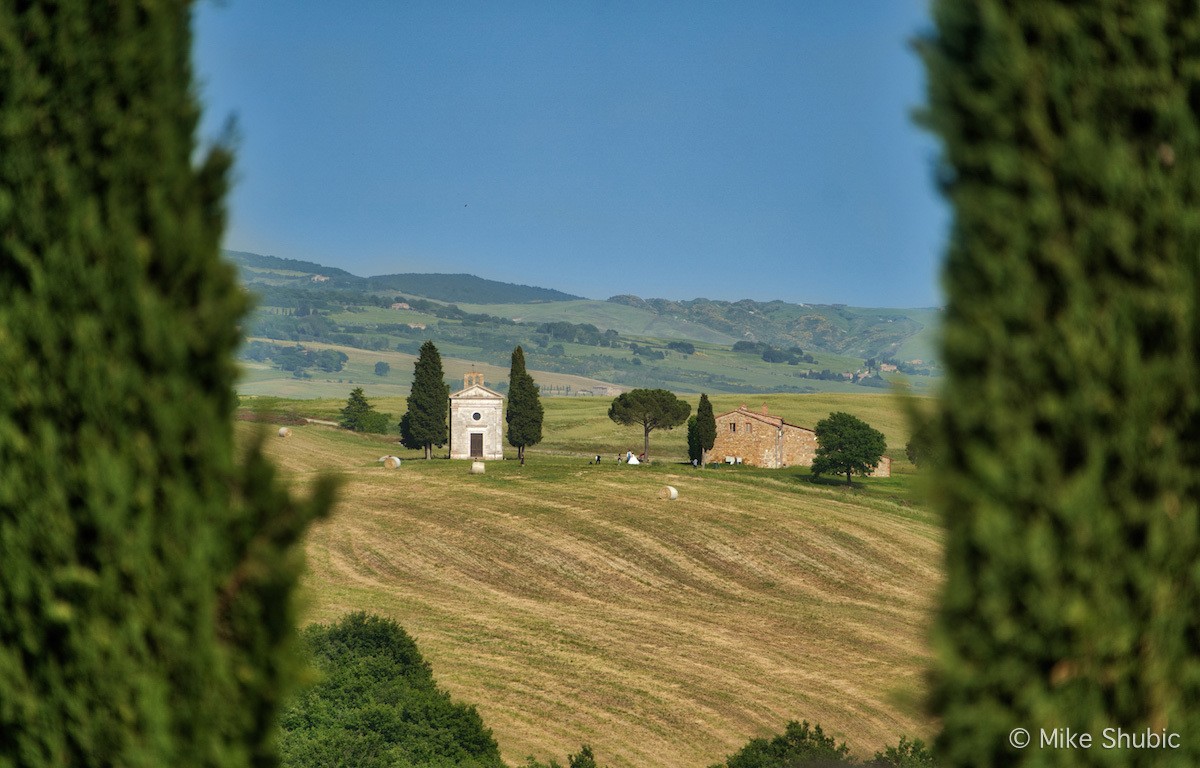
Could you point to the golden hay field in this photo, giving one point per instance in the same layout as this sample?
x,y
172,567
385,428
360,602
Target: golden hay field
x,y
572,605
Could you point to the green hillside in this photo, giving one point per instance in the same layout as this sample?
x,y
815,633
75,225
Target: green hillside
x,y
710,369
855,331
698,346
359,371
626,320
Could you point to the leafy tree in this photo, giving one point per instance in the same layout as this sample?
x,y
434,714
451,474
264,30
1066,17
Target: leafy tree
x,y
652,409
329,360
376,705
585,759
382,368
424,425
356,406
524,414
876,381
753,347
847,445
706,427
906,754
798,745
1068,433
146,573
360,416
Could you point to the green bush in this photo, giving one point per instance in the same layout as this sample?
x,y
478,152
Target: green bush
x,y
802,746
376,705
798,745
585,759
906,754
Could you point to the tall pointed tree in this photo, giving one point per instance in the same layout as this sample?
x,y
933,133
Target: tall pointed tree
x,y
425,424
145,573
706,428
695,452
1068,437
524,414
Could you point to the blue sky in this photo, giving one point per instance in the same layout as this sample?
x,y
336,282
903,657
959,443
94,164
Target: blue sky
x,y
676,150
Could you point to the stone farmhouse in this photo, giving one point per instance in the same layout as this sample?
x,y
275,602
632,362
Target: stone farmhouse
x,y
476,421
761,440
758,439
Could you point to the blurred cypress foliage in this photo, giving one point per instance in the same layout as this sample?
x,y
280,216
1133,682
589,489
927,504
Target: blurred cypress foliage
x,y
1069,433
145,576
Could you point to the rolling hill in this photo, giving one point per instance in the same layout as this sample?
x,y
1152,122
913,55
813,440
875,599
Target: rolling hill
x,y
855,331
465,288
571,604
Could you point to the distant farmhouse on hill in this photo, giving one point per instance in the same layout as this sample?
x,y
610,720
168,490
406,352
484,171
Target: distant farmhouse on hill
x,y
757,439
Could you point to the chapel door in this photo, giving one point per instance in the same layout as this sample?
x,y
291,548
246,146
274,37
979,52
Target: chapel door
x,y
476,445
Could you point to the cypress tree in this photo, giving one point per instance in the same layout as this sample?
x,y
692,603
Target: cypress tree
x,y
706,428
360,416
1068,438
425,423
695,452
356,410
524,414
145,575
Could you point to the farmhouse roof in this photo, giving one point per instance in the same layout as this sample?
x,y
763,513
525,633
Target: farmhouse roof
x,y
774,421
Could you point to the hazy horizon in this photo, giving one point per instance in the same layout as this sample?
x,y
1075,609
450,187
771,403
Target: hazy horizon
x,y
591,298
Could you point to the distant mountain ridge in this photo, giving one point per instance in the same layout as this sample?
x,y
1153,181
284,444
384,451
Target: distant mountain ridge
x,y
466,289
453,288
258,261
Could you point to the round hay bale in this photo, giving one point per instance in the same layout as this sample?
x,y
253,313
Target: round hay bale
x,y
477,467
391,462
669,493
285,432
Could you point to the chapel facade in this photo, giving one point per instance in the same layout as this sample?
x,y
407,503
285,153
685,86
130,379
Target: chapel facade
x,y
476,421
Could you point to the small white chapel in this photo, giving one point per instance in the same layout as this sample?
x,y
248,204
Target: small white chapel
x,y
476,421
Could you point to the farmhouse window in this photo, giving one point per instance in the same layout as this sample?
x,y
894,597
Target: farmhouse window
x,y
732,427
749,428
